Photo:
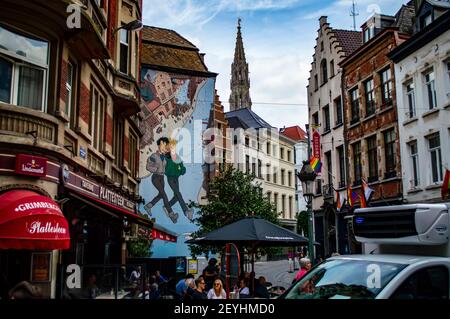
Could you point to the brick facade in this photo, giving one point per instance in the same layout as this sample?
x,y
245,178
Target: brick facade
x,y
365,64
63,80
109,129
84,103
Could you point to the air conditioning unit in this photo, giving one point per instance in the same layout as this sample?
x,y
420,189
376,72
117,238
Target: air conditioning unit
x,y
415,224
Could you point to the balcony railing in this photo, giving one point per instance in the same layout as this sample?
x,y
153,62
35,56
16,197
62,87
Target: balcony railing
x,y
20,121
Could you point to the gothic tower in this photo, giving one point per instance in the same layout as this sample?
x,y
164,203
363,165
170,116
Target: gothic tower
x,y
240,81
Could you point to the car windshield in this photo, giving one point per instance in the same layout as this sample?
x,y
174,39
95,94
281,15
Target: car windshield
x,y
344,279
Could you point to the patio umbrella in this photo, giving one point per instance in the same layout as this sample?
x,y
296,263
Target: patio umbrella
x,y
251,231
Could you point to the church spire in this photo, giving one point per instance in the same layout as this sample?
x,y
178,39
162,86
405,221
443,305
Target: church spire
x,y
240,81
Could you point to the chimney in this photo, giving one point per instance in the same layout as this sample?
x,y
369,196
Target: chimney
x,y
323,20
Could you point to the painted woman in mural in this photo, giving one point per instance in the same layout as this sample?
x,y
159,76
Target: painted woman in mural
x,y
156,164
174,169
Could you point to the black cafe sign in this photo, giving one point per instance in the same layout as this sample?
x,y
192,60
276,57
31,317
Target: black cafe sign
x,y
96,191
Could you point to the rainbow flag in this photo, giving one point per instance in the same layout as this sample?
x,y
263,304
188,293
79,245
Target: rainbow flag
x,y
362,201
316,164
445,184
339,201
351,196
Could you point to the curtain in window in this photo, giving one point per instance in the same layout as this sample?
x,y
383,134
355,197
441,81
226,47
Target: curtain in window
x,y
5,81
30,87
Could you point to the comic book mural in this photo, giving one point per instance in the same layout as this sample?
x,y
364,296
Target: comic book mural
x,y
176,109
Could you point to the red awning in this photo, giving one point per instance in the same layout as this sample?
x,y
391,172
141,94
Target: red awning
x,y
163,235
31,221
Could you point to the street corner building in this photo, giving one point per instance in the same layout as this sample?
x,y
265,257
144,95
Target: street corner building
x,y
69,138
177,97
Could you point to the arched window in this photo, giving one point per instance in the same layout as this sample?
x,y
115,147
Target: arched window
x,y
324,71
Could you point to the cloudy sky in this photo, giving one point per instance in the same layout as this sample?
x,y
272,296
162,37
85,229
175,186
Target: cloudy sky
x,y
279,38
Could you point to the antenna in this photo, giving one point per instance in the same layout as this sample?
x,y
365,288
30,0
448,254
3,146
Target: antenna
x,y
354,14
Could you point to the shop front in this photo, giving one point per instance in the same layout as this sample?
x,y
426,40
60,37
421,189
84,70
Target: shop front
x,y
33,229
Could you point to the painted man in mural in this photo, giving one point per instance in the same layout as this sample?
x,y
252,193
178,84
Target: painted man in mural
x,y
175,169
156,164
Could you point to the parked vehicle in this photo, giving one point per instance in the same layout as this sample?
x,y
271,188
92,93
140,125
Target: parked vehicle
x,y
406,256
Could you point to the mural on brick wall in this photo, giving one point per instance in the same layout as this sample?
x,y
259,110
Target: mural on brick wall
x,y
175,112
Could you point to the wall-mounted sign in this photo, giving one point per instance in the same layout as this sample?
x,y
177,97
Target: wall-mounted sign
x,y
83,153
31,165
316,143
193,266
98,192
41,267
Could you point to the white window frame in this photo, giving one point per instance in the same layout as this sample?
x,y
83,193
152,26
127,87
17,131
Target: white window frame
x,y
439,158
427,84
19,61
414,161
410,96
127,44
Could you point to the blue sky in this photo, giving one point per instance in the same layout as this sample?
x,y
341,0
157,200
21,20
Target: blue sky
x,y
279,39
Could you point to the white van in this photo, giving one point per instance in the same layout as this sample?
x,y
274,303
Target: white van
x,y
406,256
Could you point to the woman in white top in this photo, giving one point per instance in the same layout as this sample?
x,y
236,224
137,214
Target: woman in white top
x,y
217,291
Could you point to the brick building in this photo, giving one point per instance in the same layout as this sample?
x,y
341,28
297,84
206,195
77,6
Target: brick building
x,y
68,100
371,110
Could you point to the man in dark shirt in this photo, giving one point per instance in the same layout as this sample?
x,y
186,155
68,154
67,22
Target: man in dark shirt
x,y
261,288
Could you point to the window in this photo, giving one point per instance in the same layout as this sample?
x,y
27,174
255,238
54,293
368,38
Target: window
x,y
136,57
427,283
70,95
329,167
332,68
321,46
326,116
319,187
316,83
254,166
430,89
448,76
434,148
268,148
357,162
341,157
414,158
410,97
259,169
426,20
268,172
324,71
132,155
289,179
282,152
369,33
370,97
354,105
275,175
124,50
282,177
97,118
269,196
386,87
389,153
24,67
288,156
290,208
118,141
315,118
283,205
247,164
275,201
247,141
338,109
373,158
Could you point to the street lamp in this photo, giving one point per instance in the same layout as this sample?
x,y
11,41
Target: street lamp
x,y
135,25
307,176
